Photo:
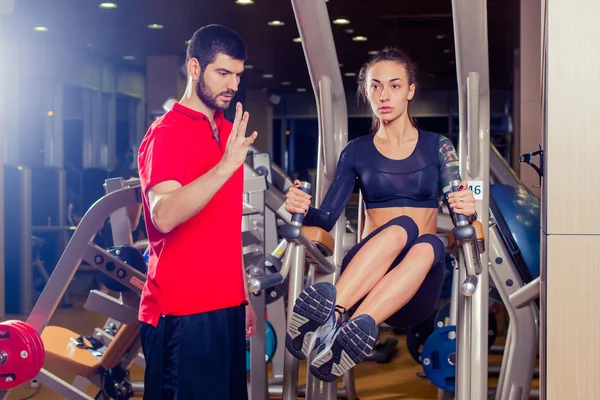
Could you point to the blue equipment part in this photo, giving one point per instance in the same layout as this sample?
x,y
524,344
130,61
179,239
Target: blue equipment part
x,y
270,345
439,358
442,319
517,213
147,254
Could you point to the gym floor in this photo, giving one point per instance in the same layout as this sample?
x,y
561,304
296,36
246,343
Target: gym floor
x,y
393,381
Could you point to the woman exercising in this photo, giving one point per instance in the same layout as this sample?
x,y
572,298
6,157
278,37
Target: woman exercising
x,y
395,273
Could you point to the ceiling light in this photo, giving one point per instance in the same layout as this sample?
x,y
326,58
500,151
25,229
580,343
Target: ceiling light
x,y
267,76
155,26
40,29
447,51
350,74
248,66
244,2
285,83
128,58
188,41
349,31
107,5
341,65
276,23
300,89
298,40
341,21
441,36
373,52
359,39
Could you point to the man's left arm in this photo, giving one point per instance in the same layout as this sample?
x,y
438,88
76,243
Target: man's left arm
x,y
250,314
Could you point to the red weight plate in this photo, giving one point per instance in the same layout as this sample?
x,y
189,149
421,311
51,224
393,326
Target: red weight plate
x,y
39,352
26,373
13,371
39,345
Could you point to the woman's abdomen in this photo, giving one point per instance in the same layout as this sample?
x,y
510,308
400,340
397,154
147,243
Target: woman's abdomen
x,y
425,218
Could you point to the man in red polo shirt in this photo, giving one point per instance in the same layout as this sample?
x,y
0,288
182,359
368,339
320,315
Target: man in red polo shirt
x,y
194,312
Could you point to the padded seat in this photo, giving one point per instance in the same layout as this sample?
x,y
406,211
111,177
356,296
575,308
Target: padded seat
x,y
478,232
62,352
320,236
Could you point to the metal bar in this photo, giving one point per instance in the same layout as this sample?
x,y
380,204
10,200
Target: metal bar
x,y
473,159
496,370
521,348
275,201
59,386
105,304
526,294
64,271
463,348
326,120
291,364
276,390
276,312
472,65
119,220
324,266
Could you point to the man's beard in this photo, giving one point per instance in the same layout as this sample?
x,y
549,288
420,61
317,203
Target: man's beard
x,y
210,99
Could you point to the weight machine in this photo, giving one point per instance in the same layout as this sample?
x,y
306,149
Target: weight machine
x,y
456,357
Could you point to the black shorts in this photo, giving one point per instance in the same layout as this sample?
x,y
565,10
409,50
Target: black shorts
x,y
199,356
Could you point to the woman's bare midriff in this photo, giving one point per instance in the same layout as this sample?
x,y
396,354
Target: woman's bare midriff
x,y
425,218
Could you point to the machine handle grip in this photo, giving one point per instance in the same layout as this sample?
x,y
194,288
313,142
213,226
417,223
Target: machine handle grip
x,y
460,219
265,282
297,219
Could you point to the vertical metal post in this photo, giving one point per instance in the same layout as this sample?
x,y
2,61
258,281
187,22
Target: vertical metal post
x,y
291,364
256,223
470,33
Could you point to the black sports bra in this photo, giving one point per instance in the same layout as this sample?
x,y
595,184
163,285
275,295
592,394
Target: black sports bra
x,y
415,181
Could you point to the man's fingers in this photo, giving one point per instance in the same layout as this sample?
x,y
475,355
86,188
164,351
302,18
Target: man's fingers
x,y
237,120
249,141
241,130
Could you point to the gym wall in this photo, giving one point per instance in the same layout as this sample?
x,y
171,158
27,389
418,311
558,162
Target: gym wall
x,y
37,78
571,228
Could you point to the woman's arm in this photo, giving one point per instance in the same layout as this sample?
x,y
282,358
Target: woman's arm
x,y
450,171
336,198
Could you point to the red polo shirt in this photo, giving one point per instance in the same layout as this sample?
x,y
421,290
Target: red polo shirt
x,y
196,267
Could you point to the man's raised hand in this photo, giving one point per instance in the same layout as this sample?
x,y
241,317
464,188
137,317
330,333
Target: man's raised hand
x,y
237,144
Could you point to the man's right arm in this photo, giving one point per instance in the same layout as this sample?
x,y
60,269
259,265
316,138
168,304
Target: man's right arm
x,y
172,204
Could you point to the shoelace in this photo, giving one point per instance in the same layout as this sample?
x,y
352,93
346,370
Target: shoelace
x,y
341,311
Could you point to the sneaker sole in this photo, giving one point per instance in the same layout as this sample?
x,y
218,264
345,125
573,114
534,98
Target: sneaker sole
x,y
312,308
354,342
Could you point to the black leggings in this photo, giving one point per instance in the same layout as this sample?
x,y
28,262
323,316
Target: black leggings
x,y
424,301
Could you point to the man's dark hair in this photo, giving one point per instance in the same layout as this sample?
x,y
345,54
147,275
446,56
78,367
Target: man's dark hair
x,y
211,40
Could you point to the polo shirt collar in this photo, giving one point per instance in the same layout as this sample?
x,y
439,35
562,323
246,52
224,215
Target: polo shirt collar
x,y
197,115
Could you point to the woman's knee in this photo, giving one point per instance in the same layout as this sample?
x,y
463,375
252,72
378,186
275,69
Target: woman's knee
x,y
436,244
409,227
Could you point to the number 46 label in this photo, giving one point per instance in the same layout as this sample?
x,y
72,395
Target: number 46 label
x,y
477,189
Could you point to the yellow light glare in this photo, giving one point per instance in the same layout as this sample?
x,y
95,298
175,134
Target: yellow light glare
x,y
341,21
